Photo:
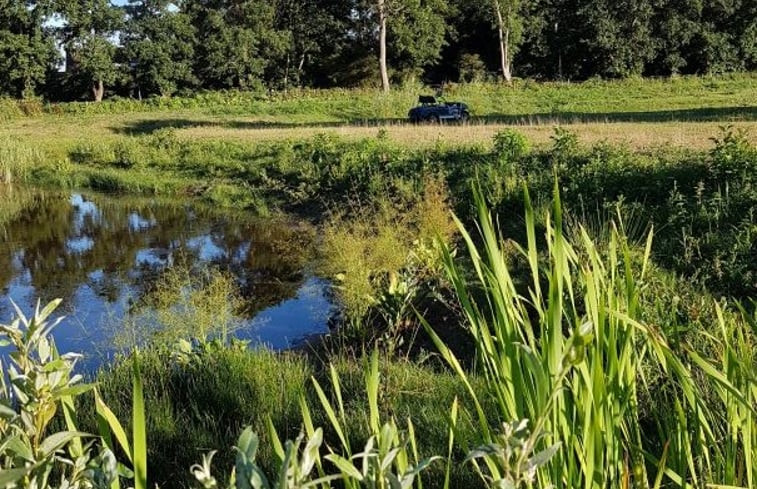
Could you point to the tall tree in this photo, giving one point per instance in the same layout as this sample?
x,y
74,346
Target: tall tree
x,y
383,13
413,30
27,48
318,30
618,36
89,35
509,29
237,41
159,41
417,34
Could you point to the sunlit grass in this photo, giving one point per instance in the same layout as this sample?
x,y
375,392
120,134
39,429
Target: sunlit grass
x,y
571,354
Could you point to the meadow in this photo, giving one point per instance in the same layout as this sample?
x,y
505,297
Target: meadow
x,y
560,294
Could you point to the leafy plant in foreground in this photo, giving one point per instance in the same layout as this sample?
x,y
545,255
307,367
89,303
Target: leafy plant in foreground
x,y
40,384
295,469
389,459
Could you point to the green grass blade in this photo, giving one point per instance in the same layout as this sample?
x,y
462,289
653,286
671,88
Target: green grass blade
x,y
372,388
139,428
331,414
108,424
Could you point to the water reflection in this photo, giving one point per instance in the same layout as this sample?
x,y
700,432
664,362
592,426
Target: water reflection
x,y
100,254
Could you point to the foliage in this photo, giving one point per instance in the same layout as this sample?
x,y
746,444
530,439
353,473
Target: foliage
x,y
183,304
472,68
389,458
701,203
235,42
40,383
569,352
385,261
178,47
293,474
683,98
417,34
203,400
160,43
87,37
510,146
27,49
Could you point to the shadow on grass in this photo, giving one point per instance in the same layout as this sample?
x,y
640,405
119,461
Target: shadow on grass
x,y
149,126
710,114
718,114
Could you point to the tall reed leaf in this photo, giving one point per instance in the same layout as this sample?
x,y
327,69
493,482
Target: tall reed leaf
x,y
564,347
139,429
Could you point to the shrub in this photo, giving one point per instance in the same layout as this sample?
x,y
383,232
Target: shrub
x,y
386,259
510,146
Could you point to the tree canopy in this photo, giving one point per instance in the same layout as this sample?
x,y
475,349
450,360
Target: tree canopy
x,y
143,48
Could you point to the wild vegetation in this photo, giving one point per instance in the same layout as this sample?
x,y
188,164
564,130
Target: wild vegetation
x,y
684,98
567,312
571,378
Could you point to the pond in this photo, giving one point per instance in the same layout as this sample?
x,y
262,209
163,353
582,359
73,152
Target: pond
x,y
104,255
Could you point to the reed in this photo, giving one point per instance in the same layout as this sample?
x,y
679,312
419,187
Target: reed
x,y
569,353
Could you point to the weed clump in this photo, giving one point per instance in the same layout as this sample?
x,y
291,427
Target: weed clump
x,y
183,304
381,258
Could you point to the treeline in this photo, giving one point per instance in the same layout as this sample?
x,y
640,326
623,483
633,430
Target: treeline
x,y
85,49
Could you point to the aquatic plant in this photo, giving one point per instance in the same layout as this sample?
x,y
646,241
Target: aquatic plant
x,y
569,353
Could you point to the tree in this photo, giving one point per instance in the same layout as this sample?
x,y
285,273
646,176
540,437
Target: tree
x,y
704,36
318,30
159,41
417,33
89,36
27,49
237,40
413,29
508,22
619,36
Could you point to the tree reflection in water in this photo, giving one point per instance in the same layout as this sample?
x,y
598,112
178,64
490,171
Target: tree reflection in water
x,y
100,254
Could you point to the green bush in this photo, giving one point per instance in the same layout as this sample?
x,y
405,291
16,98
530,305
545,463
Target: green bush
x,y
510,146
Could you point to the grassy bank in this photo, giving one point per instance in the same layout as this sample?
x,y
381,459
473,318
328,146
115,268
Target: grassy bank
x,y
205,402
700,202
563,330
582,376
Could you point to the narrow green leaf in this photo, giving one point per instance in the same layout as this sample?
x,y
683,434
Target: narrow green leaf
x,y
108,423
139,429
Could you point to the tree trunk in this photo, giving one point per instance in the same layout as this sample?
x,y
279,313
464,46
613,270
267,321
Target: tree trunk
x,y
382,45
98,90
299,70
286,75
504,44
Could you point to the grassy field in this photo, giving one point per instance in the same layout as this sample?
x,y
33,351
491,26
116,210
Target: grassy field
x,y
644,113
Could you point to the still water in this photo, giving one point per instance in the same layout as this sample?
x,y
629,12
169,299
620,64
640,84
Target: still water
x,y
101,255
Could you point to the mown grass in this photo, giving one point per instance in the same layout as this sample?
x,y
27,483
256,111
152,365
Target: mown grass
x,y
643,100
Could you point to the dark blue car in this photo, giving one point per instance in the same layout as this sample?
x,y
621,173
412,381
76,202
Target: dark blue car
x,y
431,110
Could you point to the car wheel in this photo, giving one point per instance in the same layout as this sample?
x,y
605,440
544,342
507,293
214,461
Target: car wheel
x,y
436,119
464,117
